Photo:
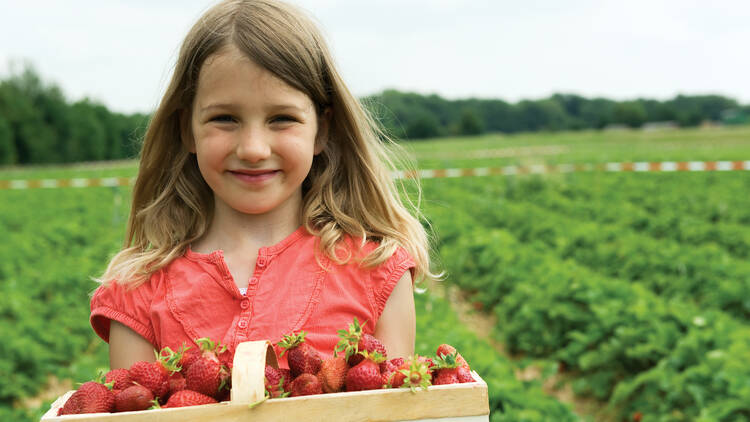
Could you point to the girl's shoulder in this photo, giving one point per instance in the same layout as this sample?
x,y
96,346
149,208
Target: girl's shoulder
x,y
388,260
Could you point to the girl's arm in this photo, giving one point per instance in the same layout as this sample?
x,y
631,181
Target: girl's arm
x,y
397,325
127,347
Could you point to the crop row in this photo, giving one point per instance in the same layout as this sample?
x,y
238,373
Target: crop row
x,y
702,273
663,356
709,212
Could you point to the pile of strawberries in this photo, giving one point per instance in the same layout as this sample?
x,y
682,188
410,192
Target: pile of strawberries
x,y
187,377
359,362
190,376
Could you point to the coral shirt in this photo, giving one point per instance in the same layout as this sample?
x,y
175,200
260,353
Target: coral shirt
x,y
195,296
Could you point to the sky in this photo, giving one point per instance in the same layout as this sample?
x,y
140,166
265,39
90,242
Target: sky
x,y
121,52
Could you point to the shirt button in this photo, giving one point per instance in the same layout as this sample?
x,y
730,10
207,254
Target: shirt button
x,y
242,324
261,262
245,304
254,280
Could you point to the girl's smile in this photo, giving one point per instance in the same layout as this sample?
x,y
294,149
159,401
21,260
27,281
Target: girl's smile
x,y
256,177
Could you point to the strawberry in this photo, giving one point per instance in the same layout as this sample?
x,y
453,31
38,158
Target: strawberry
x,y
184,398
388,367
207,375
449,371
447,349
305,385
277,385
135,397
189,355
366,374
332,374
354,340
155,375
177,382
120,379
226,357
91,397
302,358
413,373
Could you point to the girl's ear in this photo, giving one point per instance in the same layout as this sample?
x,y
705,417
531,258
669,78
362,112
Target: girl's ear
x,y
321,139
186,133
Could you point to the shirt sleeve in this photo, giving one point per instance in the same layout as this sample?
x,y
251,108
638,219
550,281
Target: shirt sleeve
x,y
129,307
386,276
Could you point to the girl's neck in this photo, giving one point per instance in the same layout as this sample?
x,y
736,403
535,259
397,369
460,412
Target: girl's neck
x,y
235,232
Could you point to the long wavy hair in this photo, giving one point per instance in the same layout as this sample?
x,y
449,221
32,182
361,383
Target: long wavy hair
x,y
349,190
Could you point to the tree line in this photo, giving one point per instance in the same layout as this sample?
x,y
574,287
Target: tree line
x,y
38,125
415,116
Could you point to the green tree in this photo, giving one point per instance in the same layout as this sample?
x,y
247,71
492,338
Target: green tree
x,y
424,125
631,113
87,141
7,147
470,124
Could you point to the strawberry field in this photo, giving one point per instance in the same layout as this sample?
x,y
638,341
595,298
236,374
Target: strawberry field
x,y
632,287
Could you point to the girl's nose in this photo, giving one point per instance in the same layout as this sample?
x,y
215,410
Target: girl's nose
x,y
253,146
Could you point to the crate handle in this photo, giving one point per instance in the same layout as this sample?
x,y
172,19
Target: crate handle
x,y
249,369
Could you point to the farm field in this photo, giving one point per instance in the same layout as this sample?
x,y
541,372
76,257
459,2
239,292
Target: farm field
x,y
634,286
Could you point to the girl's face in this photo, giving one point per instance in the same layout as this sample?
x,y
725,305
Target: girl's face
x,y
254,136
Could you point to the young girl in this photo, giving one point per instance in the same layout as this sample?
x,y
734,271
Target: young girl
x,y
264,202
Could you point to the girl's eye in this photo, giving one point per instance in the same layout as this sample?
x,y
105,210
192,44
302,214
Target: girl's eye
x,y
223,118
283,119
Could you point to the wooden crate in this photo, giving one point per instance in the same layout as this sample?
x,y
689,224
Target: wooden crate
x,y
457,402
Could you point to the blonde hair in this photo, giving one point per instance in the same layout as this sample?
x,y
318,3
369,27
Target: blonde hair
x,y
349,190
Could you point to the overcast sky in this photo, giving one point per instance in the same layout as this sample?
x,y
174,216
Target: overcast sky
x,y
121,52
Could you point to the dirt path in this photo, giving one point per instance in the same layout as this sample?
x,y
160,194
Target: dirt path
x,y
558,386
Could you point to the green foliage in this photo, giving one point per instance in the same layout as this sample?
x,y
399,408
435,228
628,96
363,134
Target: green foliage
x,y
415,116
7,147
510,399
37,125
594,271
53,242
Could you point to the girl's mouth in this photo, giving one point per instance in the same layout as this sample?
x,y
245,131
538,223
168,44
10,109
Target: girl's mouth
x,y
256,176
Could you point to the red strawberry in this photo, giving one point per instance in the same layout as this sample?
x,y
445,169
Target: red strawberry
x,y
450,372
388,368
306,385
354,340
188,398
276,383
287,374
119,377
91,397
135,397
302,358
365,375
332,374
155,375
464,375
226,357
189,355
447,349
177,382
207,375
152,375
413,373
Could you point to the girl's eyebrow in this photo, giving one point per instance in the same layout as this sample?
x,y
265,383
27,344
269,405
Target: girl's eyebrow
x,y
272,107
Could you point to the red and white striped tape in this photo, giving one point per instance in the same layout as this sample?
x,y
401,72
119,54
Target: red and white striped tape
x,y
663,166
66,183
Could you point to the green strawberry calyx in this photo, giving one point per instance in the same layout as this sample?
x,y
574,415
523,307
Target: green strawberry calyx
x,y
291,341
